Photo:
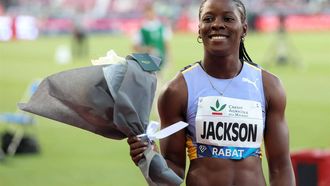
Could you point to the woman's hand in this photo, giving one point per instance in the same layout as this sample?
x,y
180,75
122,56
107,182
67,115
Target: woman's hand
x,y
137,147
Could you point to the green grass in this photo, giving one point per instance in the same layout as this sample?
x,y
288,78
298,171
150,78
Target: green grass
x,y
71,156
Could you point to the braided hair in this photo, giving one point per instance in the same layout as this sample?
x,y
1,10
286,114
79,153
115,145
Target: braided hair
x,y
243,55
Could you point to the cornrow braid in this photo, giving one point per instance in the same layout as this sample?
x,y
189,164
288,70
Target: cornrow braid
x,y
243,55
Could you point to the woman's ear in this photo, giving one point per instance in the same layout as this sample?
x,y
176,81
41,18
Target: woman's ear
x,y
245,30
199,29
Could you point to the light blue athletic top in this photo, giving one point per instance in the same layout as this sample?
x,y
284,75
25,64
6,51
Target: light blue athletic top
x,y
229,126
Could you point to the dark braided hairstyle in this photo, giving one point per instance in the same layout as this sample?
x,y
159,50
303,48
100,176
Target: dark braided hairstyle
x,y
243,55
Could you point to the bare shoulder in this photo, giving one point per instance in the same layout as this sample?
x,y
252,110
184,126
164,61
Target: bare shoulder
x,y
174,86
173,99
273,88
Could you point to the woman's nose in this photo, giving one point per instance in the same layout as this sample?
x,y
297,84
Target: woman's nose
x,y
217,24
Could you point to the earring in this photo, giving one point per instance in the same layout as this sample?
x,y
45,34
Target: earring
x,y
199,39
243,37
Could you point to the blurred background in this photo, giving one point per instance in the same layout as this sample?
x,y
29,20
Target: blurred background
x,y
41,37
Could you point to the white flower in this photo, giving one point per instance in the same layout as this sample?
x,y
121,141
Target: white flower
x,y
110,58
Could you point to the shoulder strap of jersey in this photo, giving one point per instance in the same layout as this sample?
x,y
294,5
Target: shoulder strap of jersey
x,y
188,66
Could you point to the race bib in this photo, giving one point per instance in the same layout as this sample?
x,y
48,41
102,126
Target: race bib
x,y
227,127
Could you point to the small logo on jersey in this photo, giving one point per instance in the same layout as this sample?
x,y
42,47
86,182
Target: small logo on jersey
x,y
254,83
202,148
218,108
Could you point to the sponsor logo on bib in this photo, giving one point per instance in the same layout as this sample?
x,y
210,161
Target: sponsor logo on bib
x,y
217,108
227,127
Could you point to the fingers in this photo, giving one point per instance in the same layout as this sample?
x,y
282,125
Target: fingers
x,y
136,158
137,147
132,139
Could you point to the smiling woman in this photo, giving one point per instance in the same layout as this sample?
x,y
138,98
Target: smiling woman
x,y
231,20
225,148
219,27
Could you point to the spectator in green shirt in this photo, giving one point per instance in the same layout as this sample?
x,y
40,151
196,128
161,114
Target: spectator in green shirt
x,y
153,36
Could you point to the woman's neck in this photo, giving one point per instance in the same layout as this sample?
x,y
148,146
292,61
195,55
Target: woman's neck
x,y
222,67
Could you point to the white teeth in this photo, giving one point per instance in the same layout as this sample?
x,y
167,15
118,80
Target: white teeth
x,y
218,37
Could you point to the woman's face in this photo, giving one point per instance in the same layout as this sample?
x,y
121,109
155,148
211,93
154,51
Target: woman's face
x,y
221,27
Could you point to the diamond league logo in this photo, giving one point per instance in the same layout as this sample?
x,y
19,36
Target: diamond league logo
x,y
202,148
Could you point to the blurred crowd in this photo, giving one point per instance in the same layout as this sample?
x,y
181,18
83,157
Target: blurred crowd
x,y
61,16
172,9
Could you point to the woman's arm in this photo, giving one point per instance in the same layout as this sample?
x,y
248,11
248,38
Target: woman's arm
x,y
172,108
277,133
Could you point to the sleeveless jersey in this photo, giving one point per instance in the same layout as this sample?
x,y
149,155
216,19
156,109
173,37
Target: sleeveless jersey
x,y
228,126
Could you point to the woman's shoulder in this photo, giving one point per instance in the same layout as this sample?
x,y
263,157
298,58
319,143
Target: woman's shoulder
x,y
178,83
173,97
270,79
273,88
175,86
190,67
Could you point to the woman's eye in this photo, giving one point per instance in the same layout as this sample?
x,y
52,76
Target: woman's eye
x,y
229,19
207,19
